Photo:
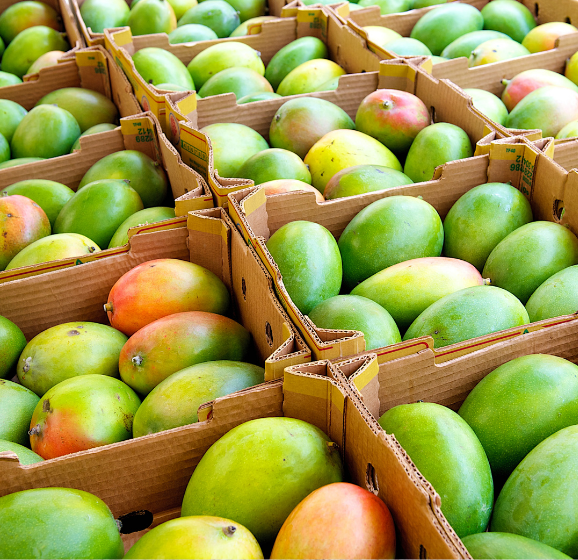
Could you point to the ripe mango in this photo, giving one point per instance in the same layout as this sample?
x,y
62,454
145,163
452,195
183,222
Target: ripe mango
x,y
543,37
22,15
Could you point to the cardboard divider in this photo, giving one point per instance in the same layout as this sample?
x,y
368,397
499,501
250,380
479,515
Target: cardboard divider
x,y
514,160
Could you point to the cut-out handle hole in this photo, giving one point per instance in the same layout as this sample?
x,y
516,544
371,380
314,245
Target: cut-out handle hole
x,y
135,521
371,481
244,288
536,9
568,20
269,333
559,209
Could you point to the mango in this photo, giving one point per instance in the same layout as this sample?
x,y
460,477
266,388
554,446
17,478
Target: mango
x,y
25,456
299,123
180,7
146,176
539,498
308,258
529,255
9,79
280,186
361,179
49,195
426,3
468,313
82,413
340,149
12,342
11,114
22,222
354,312
543,37
19,161
199,536
258,96
233,144
406,46
103,127
281,460
46,60
293,55
240,81
98,209
222,56
22,15
481,218
174,402
143,217
246,27
464,45
449,455
496,50
308,76
99,15
387,232
248,9
4,149
191,32
571,71
29,45
329,85
568,131
510,17
157,66
161,287
433,146
520,404
273,164
218,15
408,288
556,296
152,16
177,341
388,6
380,35
443,25
508,545
17,403
35,518
488,104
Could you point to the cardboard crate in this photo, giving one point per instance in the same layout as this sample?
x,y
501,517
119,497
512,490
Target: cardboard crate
x,y
446,103
345,47
514,160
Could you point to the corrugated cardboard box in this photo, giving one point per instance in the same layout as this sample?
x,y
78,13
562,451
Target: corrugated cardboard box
x,y
514,160
446,103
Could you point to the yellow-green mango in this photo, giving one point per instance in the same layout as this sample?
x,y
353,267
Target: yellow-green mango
x,y
157,66
152,16
244,28
307,77
380,35
219,15
99,15
556,296
25,456
9,79
508,545
496,50
543,37
464,45
17,403
11,113
488,104
143,217
406,46
191,32
22,15
273,164
240,81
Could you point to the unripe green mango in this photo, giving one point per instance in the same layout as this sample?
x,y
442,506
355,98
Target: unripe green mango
x,y
307,77
449,455
529,255
481,218
218,15
60,522
180,7
274,164
98,209
248,9
510,17
468,313
68,350
406,46
281,460
157,66
539,499
9,79
388,6
488,104
4,149
17,403
240,81
152,16
245,26
556,296
465,44
146,216
99,15
191,32
103,127
25,456
508,545
387,232
175,401
11,113
19,161
308,258
441,26
258,96
520,404
380,35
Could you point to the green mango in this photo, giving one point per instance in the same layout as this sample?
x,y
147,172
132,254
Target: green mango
x,y
244,28
293,55
46,60
509,17
508,545
157,66
146,216
29,45
539,498
191,32
68,350
23,15
354,312
520,404
172,87
49,195
249,9
308,258
88,107
388,6
9,79
417,4
143,174
180,7
468,313
529,255
233,144
240,81
496,50
152,16
11,114
481,218
380,35
449,455
281,460
488,104
435,145
4,149
307,77
329,85
99,15
556,296
19,161
98,209
568,131
273,164
361,179
465,44
219,57
175,401
46,131
441,26
259,96
103,127
218,15
25,456
17,403
406,46
35,518
389,231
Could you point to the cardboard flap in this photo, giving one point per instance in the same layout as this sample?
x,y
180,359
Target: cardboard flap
x,y
312,22
564,152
